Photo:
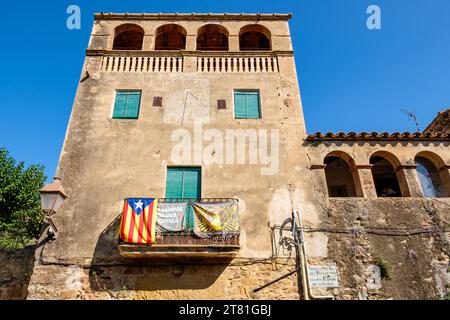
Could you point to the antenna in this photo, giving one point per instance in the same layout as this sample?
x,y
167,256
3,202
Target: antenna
x,y
413,116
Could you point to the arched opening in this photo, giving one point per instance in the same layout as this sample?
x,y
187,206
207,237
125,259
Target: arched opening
x,y
341,175
254,37
170,37
433,175
386,176
212,37
128,37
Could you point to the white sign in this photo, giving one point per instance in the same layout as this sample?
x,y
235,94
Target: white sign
x,y
323,276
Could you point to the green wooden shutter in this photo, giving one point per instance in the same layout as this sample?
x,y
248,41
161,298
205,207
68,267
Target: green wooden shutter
x,y
120,105
133,103
240,108
246,105
191,183
127,105
174,183
252,103
184,183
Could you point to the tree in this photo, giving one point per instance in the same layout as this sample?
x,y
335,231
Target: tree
x,y
20,212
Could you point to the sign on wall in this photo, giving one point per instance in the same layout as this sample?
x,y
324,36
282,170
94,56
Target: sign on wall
x,y
323,276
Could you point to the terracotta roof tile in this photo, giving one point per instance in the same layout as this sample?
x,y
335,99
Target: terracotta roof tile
x,y
441,123
375,136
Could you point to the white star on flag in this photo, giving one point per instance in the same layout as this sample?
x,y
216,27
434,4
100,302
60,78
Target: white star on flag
x,y
138,205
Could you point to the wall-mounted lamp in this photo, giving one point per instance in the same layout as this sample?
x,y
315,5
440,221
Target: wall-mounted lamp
x,y
52,197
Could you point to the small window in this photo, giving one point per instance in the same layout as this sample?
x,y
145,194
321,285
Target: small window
x,y
127,105
246,104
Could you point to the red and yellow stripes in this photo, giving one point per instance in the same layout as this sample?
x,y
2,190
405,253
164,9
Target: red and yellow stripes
x,y
139,228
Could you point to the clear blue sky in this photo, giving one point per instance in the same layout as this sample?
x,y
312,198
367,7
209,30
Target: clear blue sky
x,y
351,78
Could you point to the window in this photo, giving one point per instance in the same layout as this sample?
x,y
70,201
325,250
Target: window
x,y
170,37
385,178
246,104
212,37
429,178
340,177
127,105
184,183
254,37
128,37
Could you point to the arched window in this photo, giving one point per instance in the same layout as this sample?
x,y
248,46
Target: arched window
x,y
432,180
128,37
254,37
386,176
342,178
212,37
170,37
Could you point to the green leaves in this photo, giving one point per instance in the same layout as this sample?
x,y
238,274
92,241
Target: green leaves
x,y
20,213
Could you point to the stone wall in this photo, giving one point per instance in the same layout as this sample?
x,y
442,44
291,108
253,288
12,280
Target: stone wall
x,y
15,273
210,282
410,236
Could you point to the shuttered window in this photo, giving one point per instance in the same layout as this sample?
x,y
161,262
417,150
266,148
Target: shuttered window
x,y
247,104
127,105
184,183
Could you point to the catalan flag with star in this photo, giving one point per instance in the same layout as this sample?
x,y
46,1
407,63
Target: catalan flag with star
x,y
139,220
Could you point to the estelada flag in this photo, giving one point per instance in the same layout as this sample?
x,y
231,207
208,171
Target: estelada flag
x,y
139,220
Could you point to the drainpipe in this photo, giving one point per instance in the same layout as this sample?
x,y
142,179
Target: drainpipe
x,y
305,265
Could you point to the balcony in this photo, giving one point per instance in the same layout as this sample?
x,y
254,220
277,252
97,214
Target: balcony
x,y
188,61
186,243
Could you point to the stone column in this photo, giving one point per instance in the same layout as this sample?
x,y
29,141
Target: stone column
x,y
366,180
444,173
233,43
407,178
148,43
191,42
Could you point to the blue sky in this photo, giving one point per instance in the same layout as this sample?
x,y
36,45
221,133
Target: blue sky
x,y
351,78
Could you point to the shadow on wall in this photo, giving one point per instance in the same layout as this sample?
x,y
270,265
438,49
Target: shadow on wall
x,y
109,272
16,271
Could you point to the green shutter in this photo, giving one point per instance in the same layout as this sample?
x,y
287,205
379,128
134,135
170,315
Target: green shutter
x,y
127,105
120,105
252,102
191,183
174,183
240,106
246,105
184,183
134,100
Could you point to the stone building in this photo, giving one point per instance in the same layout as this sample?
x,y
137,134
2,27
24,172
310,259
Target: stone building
x,y
208,107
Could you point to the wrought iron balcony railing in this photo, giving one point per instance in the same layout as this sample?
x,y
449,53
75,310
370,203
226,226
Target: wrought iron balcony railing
x,y
186,242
